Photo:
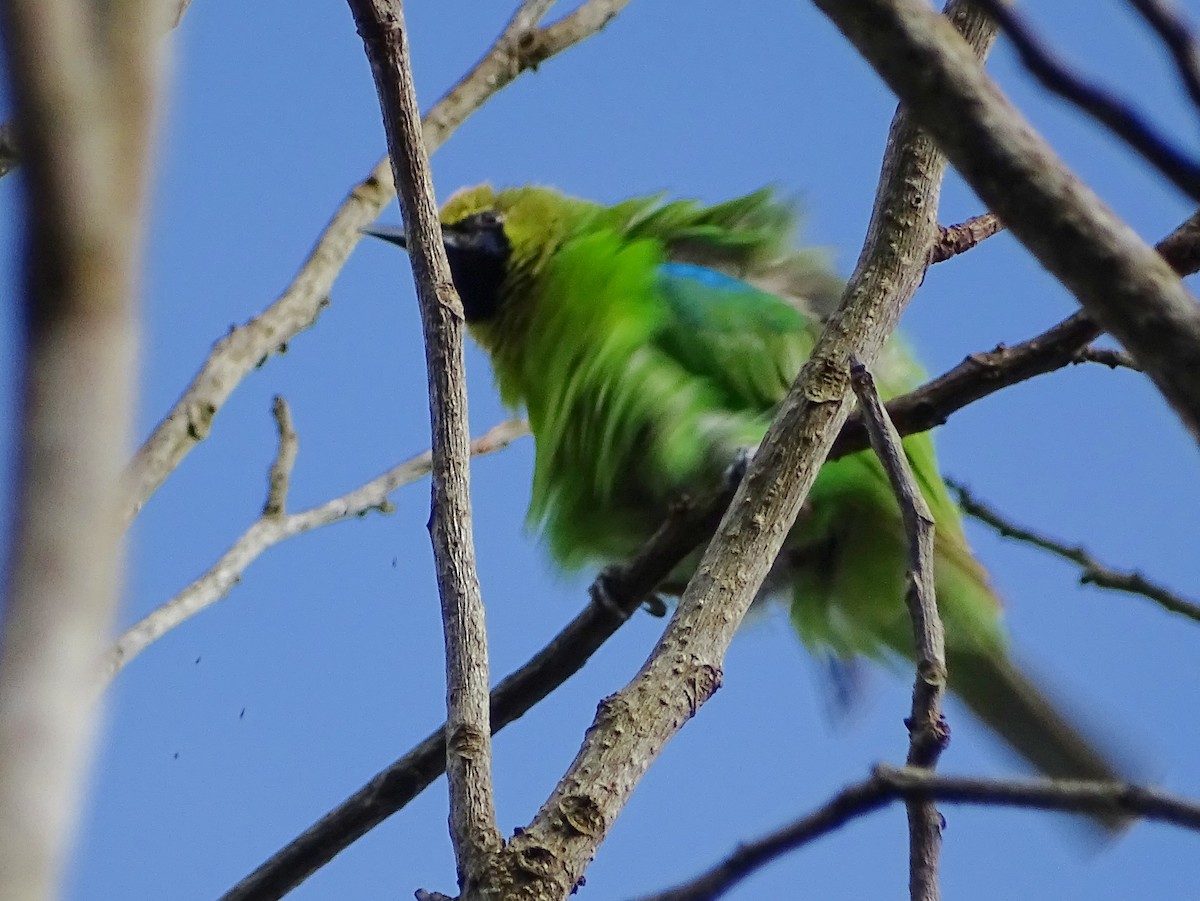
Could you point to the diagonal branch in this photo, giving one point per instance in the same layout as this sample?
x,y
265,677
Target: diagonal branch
x,y
889,784
1119,117
1175,33
1094,572
1124,284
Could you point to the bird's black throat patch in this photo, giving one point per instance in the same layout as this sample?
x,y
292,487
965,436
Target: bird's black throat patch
x,y
478,251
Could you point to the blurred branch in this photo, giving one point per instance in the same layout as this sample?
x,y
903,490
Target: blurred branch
x,y
956,239
10,148
473,830
927,729
10,152
1117,116
1123,283
237,354
1181,248
888,784
1094,572
84,83
273,527
1175,33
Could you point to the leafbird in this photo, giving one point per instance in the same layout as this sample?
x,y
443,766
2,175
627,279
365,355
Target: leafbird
x,y
650,343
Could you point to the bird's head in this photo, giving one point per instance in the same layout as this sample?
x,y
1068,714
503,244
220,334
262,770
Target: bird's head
x,y
495,241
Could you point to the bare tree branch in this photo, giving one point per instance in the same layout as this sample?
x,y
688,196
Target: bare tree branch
x,y
10,152
1107,356
84,82
927,729
982,374
1181,248
538,46
10,148
1120,118
473,828
1094,572
237,354
976,377
956,239
1074,796
1179,39
274,527
280,477
1128,287
889,784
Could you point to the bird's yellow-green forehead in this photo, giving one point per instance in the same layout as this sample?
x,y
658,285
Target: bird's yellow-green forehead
x,y
525,204
467,202
535,219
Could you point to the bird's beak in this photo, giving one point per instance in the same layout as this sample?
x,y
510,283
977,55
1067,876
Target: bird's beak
x,y
454,240
395,236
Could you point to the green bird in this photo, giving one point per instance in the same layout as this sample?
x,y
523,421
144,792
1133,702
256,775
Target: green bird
x,y
650,343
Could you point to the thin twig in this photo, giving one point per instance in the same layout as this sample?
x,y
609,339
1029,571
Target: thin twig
x,y
1107,356
1127,287
1094,572
280,476
1181,248
1175,33
956,239
1117,116
272,529
473,829
889,784
237,354
982,374
976,377
84,82
927,728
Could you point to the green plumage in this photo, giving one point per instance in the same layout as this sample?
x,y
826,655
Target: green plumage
x,y
649,343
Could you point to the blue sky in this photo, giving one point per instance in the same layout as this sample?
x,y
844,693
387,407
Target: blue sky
x,y
243,726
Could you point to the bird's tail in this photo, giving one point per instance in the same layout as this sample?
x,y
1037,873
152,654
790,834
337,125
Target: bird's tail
x,y
1029,722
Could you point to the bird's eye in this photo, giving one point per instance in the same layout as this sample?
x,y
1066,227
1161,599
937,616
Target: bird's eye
x,y
489,219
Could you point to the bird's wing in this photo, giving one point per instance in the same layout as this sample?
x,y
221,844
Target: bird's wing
x,y
745,342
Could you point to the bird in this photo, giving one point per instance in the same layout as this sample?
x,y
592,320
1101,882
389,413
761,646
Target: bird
x,y
649,343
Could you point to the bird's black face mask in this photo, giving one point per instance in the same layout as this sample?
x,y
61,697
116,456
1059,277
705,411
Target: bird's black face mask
x,y
478,251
